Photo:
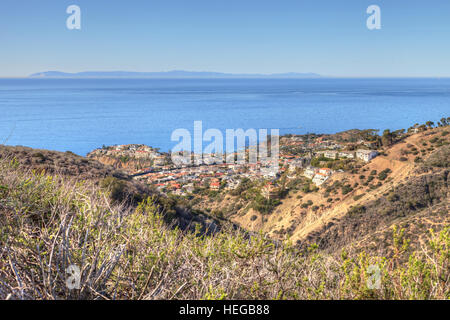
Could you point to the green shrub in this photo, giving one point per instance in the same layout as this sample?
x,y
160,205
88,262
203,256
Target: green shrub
x,y
360,209
346,189
116,187
384,174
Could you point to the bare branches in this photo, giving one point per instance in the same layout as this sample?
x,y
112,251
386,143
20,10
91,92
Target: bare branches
x,y
124,252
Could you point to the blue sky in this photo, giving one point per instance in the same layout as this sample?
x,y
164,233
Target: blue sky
x,y
329,37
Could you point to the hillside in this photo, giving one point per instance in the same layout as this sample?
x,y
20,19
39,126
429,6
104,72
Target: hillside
x,y
64,163
415,187
52,225
123,189
358,205
132,241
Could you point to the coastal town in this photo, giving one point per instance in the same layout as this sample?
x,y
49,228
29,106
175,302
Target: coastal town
x,y
314,157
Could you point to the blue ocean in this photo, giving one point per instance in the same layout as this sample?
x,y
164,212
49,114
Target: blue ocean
x,y
83,114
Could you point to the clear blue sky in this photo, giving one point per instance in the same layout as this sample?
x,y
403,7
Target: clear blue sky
x,y
329,37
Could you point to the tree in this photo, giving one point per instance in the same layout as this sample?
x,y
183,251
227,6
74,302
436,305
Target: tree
x,y
387,137
422,128
429,124
397,133
370,134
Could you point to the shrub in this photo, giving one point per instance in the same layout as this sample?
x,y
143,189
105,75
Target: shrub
x,y
116,187
357,210
440,158
39,156
383,174
126,252
346,189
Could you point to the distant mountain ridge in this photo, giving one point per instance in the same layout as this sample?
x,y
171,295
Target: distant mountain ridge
x,y
169,74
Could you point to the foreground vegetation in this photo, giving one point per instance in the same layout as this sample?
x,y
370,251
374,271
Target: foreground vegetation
x,y
48,223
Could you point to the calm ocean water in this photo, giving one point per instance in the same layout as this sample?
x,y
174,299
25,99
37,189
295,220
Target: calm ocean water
x,y
81,115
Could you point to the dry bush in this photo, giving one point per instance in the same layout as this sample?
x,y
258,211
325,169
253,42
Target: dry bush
x,y
48,223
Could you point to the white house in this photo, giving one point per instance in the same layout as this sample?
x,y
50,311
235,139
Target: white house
x,y
330,154
347,154
366,155
309,172
326,171
297,164
320,178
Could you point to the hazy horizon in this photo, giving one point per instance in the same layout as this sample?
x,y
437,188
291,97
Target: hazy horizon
x,y
240,74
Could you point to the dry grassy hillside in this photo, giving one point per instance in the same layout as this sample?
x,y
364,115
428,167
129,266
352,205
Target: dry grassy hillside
x,y
52,224
415,188
122,188
129,166
64,163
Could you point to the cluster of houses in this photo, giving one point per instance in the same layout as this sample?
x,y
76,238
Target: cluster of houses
x,y
318,175
319,143
361,154
132,151
182,179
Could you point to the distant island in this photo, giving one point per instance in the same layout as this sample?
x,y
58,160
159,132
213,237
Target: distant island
x,y
176,74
